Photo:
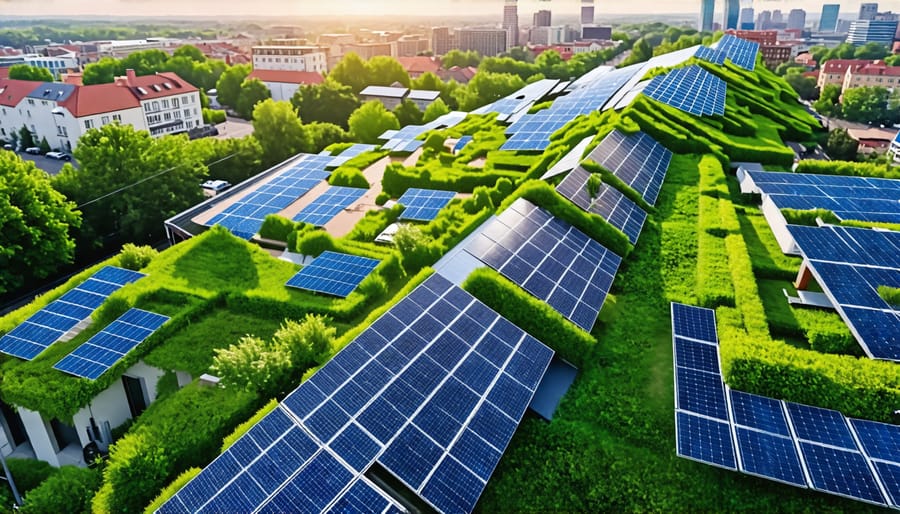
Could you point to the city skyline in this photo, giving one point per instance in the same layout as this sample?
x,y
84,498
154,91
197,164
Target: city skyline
x,y
397,7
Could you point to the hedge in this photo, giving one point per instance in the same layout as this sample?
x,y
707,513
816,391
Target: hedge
x,y
373,223
397,179
854,169
348,176
172,489
808,217
532,315
70,489
611,179
276,228
714,281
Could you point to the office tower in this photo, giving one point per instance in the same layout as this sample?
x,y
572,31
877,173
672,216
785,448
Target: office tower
x,y
868,11
872,31
511,22
764,21
442,40
732,12
487,42
777,17
746,20
796,19
707,8
828,20
542,19
587,12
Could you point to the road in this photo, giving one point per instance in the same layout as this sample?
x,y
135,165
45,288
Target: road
x,y
51,166
234,128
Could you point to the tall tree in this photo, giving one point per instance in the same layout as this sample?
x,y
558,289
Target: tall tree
x,y
233,160
321,135
252,92
328,102
128,182
385,71
145,62
408,113
191,52
26,72
841,146
865,104
26,138
871,51
485,88
371,120
434,111
37,219
804,86
229,85
351,71
103,71
279,130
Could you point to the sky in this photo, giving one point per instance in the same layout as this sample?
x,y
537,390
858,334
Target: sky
x,y
384,7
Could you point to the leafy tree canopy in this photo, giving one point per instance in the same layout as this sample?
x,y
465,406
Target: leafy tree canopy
x,y
434,111
228,86
328,102
279,130
26,72
408,113
841,146
371,120
252,92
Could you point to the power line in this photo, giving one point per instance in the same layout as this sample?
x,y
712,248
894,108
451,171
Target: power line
x,y
139,182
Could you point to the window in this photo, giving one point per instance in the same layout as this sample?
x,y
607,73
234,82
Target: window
x,y
30,101
29,113
117,117
177,115
187,113
165,104
88,124
167,116
155,106
175,102
104,120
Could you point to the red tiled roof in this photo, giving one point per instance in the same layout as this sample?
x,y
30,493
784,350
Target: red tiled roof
x,y
287,77
8,51
100,98
76,79
461,75
13,91
146,87
4,73
420,64
841,65
878,68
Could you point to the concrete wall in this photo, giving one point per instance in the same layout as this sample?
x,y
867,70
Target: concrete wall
x,y
282,91
40,434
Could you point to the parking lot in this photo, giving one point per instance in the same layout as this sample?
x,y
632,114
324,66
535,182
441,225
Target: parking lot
x,y
51,166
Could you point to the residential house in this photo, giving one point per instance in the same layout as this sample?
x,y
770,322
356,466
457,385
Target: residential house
x,y
283,84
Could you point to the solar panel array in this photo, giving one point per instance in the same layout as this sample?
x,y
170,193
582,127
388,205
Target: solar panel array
x,y
519,101
550,259
849,198
850,264
329,204
532,132
424,204
245,217
637,159
406,139
432,391
787,442
741,52
569,161
691,89
709,55
609,203
46,326
99,353
349,153
333,273
462,143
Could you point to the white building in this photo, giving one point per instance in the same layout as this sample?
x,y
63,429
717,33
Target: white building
x,y
283,84
290,55
56,64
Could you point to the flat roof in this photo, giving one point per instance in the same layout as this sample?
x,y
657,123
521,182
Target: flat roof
x,y
391,92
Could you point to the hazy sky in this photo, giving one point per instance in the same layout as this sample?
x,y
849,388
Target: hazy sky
x,y
374,7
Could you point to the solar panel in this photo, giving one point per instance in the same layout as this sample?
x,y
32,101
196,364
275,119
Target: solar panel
x,y
890,477
608,203
329,204
637,159
99,353
690,89
552,260
45,327
841,472
462,143
708,54
695,355
741,52
337,274
409,138
694,323
705,440
759,412
820,425
434,399
878,440
424,204
349,153
701,393
769,456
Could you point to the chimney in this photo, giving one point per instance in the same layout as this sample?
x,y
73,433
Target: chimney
x,y
129,73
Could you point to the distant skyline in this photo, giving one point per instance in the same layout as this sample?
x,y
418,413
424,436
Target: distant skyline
x,y
298,8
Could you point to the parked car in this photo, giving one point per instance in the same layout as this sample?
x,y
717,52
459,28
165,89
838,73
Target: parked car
x,y
33,150
8,146
204,131
59,156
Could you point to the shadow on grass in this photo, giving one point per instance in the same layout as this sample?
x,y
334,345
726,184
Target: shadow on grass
x,y
221,262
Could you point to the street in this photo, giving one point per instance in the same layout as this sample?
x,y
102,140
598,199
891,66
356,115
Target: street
x,y
234,128
51,166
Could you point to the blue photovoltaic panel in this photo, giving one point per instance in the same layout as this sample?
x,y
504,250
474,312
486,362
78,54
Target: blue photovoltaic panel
x,y
695,355
329,205
691,89
463,141
759,412
694,323
45,327
333,273
705,440
349,153
609,203
879,440
841,472
550,259
411,137
637,159
879,331
890,477
709,55
820,425
424,204
433,390
741,52
769,456
109,346
701,393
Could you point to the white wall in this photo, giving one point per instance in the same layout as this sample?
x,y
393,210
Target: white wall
x,y
41,436
778,224
282,91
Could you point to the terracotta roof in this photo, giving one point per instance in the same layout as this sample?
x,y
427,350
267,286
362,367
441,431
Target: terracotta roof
x,y
841,65
146,87
4,73
8,51
100,98
287,77
13,91
420,64
76,79
461,75
878,68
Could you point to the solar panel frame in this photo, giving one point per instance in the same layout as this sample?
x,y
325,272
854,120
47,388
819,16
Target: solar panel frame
x,y
334,273
841,472
609,203
424,204
704,440
637,159
329,204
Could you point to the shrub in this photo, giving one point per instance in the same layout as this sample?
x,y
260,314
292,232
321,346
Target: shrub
x,y
276,228
70,489
891,295
416,248
382,198
314,243
252,364
213,116
307,342
347,176
29,473
435,142
856,169
135,257
808,217
373,223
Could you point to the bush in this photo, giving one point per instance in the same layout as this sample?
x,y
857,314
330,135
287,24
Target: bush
x,y
29,473
435,142
276,228
314,243
307,342
70,489
348,177
382,199
135,257
891,295
213,116
252,364
416,248
856,169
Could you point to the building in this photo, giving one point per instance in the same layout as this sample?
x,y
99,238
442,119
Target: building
x,y
422,98
872,31
487,42
732,13
335,46
419,65
894,149
369,50
867,11
763,37
746,20
290,55
835,70
460,75
873,140
391,97
547,36
587,12
412,45
542,18
597,33
283,83
764,20
872,74
796,19
829,19
707,12
442,40
773,55
511,22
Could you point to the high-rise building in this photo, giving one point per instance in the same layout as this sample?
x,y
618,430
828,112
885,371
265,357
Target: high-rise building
x,y
872,31
868,11
796,19
828,20
542,18
746,20
487,42
707,8
587,12
732,13
764,21
442,40
777,17
511,22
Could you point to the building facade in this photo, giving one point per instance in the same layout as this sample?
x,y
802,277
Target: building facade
x,y
732,13
835,70
542,18
587,12
511,22
872,31
872,74
283,84
442,40
487,42
868,11
707,11
829,19
290,55
796,19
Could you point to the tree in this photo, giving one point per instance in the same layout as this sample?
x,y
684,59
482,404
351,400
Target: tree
x,y
229,84
370,121
827,101
328,102
520,53
427,81
322,135
551,65
37,219
485,88
103,71
865,104
351,71
434,111
416,248
408,113
232,160
279,131
252,92
871,51
44,146
252,365
145,62
26,72
26,138
385,71
841,146
459,58
308,342
191,52
789,67
804,86
129,183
